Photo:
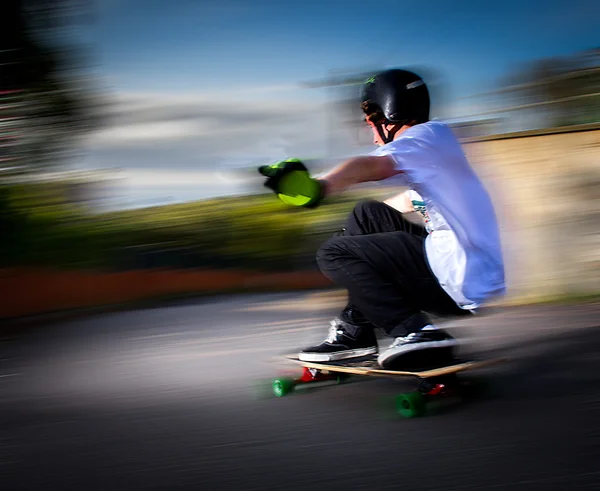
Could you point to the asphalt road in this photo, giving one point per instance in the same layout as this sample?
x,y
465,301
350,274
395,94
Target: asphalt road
x,y
170,398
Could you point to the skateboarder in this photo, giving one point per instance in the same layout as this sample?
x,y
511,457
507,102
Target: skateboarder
x,y
396,271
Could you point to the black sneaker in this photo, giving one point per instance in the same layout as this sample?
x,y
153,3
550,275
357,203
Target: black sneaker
x,y
344,341
428,347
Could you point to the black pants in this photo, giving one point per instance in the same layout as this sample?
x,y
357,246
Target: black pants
x,y
379,257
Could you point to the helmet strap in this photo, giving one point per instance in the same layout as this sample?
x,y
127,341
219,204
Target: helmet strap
x,y
391,133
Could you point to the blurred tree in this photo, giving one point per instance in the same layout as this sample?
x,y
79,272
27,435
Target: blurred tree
x,y
47,100
559,91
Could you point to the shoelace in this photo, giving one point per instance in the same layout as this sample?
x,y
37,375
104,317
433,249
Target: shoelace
x,y
334,331
403,340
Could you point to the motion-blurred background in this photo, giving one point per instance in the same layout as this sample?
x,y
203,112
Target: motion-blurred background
x,y
131,132
130,136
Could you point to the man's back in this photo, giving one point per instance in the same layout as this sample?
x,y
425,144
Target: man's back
x,y
463,248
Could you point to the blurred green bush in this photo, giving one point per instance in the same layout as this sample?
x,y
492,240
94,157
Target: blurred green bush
x,y
39,227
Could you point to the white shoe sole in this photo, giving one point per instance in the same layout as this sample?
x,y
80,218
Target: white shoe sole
x,y
337,355
409,348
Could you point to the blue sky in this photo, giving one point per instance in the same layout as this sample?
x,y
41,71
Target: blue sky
x,y
210,85
195,44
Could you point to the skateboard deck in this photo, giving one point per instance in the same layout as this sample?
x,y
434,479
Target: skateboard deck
x,y
434,383
370,367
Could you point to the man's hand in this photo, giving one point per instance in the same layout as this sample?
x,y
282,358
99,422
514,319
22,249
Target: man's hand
x,y
292,183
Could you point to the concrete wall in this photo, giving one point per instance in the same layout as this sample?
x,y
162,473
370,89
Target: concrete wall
x,y
546,188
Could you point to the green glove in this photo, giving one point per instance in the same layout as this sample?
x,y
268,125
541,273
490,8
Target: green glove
x,y
292,183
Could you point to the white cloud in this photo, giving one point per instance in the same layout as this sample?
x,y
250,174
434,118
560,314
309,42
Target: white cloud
x,y
185,146
240,95
197,145
151,131
138,117
175,178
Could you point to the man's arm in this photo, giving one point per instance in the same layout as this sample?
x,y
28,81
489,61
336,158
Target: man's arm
x,y
357,170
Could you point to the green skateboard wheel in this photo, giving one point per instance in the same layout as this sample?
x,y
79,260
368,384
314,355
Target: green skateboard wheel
x,y
411,404
283,386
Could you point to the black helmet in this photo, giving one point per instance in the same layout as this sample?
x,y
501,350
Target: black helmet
x,y
398,96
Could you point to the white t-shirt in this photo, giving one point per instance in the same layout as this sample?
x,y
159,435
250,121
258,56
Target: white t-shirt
x,y
463,246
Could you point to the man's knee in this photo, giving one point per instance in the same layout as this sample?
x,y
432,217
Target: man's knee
x,y
329,251
365,218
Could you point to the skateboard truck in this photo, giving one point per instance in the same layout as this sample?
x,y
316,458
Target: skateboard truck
x,y
441,386
314,375
309,375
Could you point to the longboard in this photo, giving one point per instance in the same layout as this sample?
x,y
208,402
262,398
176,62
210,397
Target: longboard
x,y
370,367
434,383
